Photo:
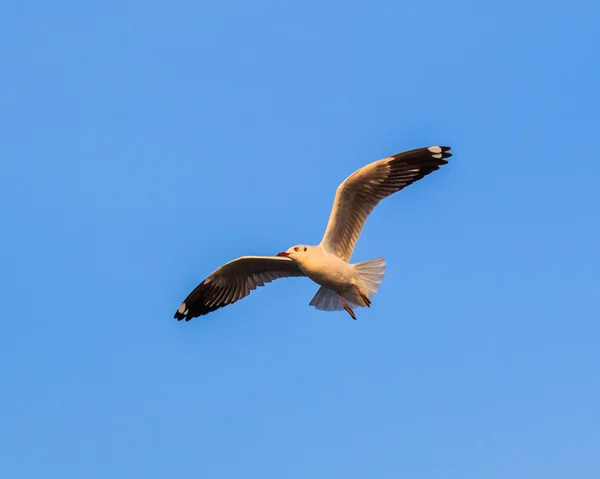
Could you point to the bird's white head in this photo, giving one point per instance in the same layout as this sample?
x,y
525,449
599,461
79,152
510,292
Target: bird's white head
x,y
296,252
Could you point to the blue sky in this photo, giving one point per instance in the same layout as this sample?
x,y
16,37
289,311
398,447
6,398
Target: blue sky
x,y
143,144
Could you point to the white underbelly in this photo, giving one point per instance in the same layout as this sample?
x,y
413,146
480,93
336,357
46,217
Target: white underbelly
x,y
336,274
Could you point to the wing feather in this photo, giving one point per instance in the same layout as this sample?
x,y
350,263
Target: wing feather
x,y
356,197
234,281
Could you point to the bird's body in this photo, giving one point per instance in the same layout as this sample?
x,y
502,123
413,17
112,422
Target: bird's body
x,y
326,269
343,285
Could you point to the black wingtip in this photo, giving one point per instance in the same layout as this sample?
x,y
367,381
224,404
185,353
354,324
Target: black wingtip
x,y
180,313
446,151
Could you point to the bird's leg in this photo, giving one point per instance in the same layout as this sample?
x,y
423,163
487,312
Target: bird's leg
x,y
364,297
347,308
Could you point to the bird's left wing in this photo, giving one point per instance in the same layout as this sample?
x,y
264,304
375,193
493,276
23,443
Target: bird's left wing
x,y
234,281
365,188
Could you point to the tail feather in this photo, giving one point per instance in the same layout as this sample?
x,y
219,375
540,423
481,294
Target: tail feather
x,y
328,300
371,274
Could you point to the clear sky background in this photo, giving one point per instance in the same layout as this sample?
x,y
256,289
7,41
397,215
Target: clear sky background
x,y
145,143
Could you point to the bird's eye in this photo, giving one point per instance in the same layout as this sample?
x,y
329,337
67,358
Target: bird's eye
x,y
296,248
305,248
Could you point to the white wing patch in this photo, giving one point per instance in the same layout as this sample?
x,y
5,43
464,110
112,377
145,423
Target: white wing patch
x,y
436,150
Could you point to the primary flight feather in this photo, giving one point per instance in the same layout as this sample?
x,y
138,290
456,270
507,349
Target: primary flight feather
x,y
343,285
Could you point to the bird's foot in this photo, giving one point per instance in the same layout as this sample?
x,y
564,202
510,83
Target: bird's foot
x,y
347,308
364,297
350,312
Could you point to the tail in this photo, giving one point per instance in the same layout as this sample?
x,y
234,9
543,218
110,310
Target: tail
x,y
371,274
326,300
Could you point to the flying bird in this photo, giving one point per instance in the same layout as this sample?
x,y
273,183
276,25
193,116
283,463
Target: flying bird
x,y
343,285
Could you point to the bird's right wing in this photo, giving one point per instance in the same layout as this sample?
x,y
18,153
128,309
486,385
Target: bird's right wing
x,y
234,281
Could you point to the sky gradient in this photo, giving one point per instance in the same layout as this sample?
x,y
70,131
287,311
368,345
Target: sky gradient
x,y
144,144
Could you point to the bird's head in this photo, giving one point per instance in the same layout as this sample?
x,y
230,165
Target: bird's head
x,y
295,252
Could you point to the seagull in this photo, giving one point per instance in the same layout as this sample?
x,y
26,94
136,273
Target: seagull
x,y
343,285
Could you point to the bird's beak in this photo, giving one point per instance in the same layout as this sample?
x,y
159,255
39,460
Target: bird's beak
x,y
283,253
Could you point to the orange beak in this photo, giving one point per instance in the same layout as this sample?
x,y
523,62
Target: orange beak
x,y
283,253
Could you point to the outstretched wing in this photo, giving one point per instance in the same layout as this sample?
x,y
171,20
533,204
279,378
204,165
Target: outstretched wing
x,y
234,281
365,188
